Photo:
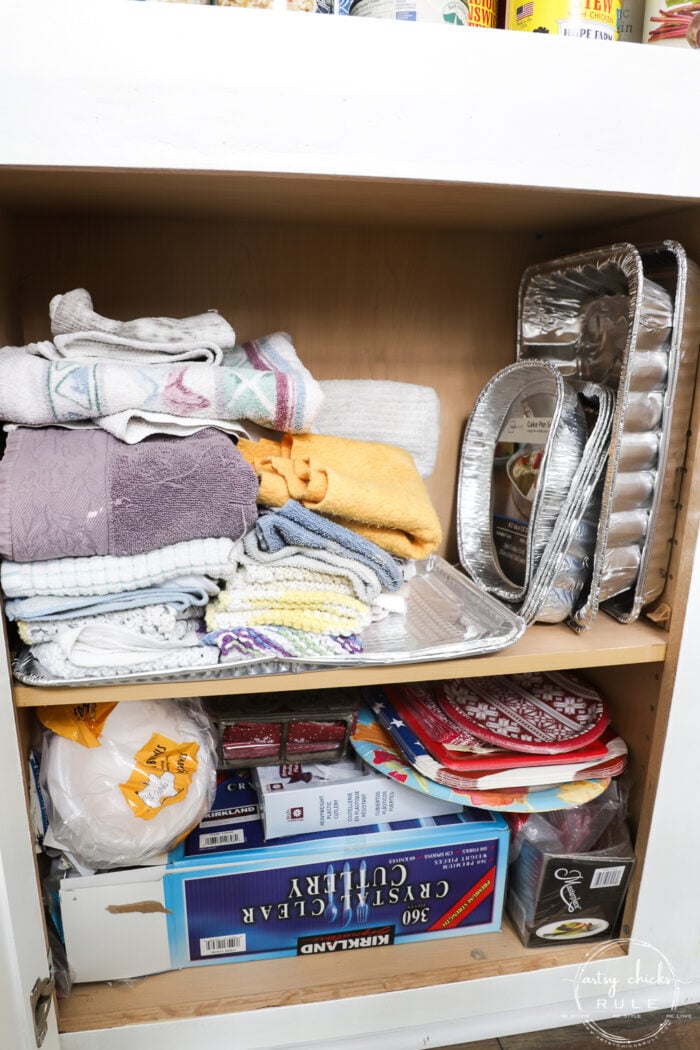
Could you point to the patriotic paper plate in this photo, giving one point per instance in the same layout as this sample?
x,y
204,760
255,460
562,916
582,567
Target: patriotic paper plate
x,y
539,713
375,745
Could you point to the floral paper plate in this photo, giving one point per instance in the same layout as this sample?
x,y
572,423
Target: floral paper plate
x,y
378,749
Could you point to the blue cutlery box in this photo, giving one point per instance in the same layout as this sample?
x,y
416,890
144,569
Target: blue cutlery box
x,y
226,895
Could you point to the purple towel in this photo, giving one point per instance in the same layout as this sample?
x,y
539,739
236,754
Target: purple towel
x,y
77,493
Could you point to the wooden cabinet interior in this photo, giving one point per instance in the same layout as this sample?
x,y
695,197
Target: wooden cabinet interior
x,y
409,282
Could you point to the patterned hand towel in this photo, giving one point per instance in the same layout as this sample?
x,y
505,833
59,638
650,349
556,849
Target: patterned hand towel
x,y
79,332
107,574
310,605
292,563
79,493
182,593
373,490
403,414
282,643
262,381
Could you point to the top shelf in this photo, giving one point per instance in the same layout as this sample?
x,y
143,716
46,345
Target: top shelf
x,y
529,129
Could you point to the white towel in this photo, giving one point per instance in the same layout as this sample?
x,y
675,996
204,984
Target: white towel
x,y
391,413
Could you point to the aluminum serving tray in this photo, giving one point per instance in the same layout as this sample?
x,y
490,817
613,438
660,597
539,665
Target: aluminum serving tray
x,y
447,617
596,317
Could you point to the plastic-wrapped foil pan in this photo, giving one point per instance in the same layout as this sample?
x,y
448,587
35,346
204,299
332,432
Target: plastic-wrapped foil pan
x,y
522,446
597,318
667,264
447,617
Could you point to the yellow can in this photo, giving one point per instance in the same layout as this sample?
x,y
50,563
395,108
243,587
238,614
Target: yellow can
x,y
588,19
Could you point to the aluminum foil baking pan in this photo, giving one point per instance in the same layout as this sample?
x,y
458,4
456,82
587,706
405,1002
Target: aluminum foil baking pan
x,y
502,532
612,317
447,616
667,265
566,563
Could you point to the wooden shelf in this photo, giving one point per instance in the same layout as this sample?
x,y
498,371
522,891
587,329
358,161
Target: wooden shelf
x,y
235,987
606,644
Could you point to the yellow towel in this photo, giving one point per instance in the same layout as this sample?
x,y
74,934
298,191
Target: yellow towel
x,y
373,489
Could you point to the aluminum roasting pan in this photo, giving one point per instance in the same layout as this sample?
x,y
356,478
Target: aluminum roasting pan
x,y
667,264
596,317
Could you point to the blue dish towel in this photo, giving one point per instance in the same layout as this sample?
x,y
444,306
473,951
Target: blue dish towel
x,y
295,526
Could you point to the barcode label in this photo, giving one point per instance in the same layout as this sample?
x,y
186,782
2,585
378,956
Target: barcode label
x,y
235,942
607,877
221,838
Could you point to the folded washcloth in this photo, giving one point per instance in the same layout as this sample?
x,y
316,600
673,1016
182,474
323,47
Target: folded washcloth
x,y
80,659
374,490
158,621
282,643
79,493
403,414
79,332
294,563
108,574
182,593
309,605
262,381
292,526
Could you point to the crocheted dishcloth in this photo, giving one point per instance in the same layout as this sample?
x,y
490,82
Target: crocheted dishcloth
x,y
322,606
374,490
281,643
284,563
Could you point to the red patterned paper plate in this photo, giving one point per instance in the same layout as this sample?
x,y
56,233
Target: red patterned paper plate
x,y
538,713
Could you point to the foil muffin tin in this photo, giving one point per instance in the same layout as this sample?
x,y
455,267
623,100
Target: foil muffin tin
x,y
527,414
597,316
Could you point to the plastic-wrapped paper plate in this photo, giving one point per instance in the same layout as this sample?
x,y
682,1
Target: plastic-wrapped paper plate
x,y
375,745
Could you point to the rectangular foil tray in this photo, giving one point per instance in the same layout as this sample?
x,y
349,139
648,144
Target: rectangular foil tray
x,y
447,617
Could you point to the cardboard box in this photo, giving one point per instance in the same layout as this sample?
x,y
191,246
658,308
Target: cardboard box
x,y
304,799
304,895
567,896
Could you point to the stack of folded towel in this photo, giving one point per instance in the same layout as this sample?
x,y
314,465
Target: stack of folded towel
x,y
129,518
84,517
305,588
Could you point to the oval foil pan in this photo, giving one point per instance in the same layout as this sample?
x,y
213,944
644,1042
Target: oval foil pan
x,y
591,314
525,390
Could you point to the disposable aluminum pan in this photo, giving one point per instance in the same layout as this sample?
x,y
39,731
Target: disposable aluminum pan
x,y
667,265
502,531
596,317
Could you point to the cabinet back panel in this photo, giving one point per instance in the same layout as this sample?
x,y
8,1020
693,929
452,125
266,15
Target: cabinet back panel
x,y
432,307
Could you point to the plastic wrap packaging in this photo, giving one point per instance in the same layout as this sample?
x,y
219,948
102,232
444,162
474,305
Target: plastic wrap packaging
x,y
569,871
147,776
599,317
